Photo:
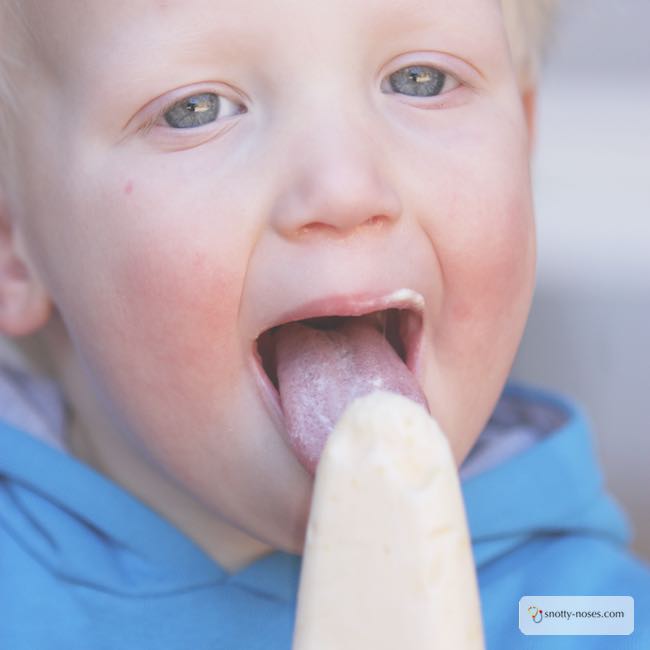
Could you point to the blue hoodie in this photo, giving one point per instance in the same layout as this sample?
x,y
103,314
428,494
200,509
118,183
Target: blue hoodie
x,y
85,565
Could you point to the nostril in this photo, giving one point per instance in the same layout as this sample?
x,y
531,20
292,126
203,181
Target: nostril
x,y
377,220
340,229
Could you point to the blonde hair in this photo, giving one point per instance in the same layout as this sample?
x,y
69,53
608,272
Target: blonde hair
x,y
527,24
12,42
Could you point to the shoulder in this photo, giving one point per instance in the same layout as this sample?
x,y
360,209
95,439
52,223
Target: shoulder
x,y
595,564
564,565
573,563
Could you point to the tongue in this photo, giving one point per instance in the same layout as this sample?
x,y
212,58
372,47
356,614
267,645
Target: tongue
x,y
321,372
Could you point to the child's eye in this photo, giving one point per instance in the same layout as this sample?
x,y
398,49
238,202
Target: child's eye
x,y
197,110
420,81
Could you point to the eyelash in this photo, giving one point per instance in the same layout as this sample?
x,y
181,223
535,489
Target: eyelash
x,y
151,122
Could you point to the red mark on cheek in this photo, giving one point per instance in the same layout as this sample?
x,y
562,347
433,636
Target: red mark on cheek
x,y
128,188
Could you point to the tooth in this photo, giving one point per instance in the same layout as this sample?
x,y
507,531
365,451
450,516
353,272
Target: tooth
x,y
387,561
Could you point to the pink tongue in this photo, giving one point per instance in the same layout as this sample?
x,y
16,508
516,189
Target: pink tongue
x,y
321,372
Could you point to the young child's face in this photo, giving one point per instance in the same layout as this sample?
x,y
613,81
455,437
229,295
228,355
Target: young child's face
x,y
308,174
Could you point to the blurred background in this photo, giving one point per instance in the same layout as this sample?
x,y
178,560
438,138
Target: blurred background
x,y
589,329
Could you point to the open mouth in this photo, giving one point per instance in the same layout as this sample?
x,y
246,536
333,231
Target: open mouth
x,y
309,370
400,327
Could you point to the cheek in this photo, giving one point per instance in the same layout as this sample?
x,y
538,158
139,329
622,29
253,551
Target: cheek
x,y
170,360
484,243
181,304
488,267
175,269
178,327
164,302
482,235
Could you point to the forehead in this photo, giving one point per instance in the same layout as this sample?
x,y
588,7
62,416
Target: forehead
x,y
229,9
64,27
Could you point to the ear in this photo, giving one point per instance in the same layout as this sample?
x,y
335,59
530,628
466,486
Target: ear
x,y
24,304
529,101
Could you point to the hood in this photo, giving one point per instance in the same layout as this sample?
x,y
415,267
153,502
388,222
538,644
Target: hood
x,y
552,487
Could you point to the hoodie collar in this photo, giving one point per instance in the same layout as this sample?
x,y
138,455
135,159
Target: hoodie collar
x,y
553,487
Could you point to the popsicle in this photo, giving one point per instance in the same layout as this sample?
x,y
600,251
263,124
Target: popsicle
x,y
387,563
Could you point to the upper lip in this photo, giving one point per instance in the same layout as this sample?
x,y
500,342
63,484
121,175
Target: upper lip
x,y
351,305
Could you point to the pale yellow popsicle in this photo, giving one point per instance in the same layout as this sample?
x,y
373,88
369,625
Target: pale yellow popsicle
x,y
387,562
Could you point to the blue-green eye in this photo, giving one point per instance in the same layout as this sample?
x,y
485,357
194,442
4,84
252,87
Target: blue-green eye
x,y
418,81
197,110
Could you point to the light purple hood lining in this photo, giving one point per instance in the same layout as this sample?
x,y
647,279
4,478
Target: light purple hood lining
x,y
32,404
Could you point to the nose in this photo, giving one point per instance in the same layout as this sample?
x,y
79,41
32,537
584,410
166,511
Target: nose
x,y
336,181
